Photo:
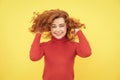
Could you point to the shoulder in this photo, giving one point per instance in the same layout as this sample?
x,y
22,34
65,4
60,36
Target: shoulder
x,y
72,43
45,43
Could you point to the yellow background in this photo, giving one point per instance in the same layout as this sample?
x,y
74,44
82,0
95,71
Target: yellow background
x,y
102,18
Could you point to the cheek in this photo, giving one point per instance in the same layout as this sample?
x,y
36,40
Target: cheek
x,y
65,30
52,30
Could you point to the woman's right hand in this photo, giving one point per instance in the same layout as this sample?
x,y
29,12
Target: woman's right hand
x,y
38,32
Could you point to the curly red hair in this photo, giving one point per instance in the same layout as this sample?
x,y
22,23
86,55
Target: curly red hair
x,y
42,22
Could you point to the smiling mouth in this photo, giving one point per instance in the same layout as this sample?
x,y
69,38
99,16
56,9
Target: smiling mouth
x,y
58,34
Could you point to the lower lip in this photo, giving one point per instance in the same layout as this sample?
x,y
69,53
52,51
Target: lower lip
x,y
58,34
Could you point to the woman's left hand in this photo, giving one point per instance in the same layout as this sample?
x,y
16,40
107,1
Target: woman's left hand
x,y
76,30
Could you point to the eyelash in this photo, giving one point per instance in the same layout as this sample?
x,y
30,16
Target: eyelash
x,y
59,26
53,26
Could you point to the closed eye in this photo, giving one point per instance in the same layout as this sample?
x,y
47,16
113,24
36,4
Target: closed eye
x,y
53,26
62,25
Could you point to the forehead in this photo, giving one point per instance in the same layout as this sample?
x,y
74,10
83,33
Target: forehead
x,y
58,20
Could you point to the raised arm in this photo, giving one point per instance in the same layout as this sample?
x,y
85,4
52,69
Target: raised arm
x,y
36,51
83,48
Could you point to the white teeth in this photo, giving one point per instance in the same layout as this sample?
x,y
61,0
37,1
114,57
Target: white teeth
x,y
58,34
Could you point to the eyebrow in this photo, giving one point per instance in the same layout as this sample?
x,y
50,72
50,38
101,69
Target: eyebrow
x,y
60,23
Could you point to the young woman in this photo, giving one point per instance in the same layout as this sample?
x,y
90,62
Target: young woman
x,y
59,53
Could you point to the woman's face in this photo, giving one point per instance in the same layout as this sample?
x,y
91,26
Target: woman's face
x,y
58,28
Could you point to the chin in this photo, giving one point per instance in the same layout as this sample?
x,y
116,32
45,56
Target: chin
x,y
59,37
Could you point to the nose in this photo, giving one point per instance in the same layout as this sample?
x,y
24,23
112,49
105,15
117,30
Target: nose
x,y
57,29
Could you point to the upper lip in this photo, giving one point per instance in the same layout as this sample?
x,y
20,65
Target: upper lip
x,y
58,33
